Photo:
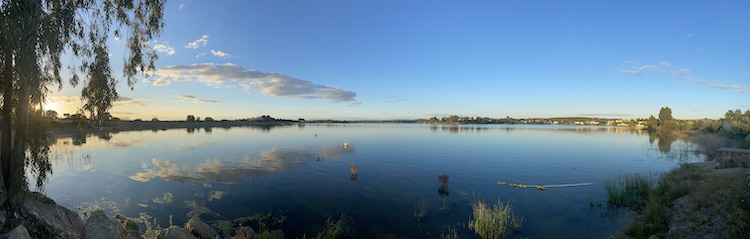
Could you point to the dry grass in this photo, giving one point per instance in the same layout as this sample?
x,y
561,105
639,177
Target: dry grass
x,y
336,228
498,221
715,193
709,143
628,190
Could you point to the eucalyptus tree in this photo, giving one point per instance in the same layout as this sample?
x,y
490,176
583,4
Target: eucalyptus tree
x,y
34,35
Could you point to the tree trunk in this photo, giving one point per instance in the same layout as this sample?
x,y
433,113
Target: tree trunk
x,y
16,167
28,72
5,151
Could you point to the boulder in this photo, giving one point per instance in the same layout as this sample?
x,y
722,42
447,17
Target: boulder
x,y
129,226
174,232
200,229
19,232
99,225
245,233
55,218
3,217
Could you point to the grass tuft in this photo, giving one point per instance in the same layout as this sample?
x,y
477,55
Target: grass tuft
x,y
498,221
420,210
336,228
628,190
715,194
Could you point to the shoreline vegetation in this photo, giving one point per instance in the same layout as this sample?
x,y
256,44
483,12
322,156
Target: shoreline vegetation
x,y
698,200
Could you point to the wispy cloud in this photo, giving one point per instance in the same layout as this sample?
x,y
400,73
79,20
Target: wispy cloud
x,y
65,99
638,69
606,115
392,99
219,53
272,84
182,6
689,35
683,74
196,99
686,76
164,47
163,81
198,43
720,86
129,101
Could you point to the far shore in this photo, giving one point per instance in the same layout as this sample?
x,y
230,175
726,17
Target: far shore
x,y
67,128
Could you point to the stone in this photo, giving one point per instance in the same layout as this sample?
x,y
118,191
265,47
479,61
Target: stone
x,y
55,218
130,227
245,233
99,225
3,217
19,232
174,232
200,229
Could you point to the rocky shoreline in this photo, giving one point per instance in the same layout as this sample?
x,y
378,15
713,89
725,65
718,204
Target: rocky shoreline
x,y
40,217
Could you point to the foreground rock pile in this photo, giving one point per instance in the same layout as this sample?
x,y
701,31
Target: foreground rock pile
x,y
41,217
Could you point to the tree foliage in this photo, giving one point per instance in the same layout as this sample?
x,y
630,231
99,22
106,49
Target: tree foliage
x,y
666,121
652,123
33,36
737,124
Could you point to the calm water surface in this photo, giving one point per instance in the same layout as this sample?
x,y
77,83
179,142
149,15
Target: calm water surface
x,y
303,171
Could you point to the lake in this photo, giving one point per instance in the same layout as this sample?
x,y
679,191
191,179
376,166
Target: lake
x,y
303,172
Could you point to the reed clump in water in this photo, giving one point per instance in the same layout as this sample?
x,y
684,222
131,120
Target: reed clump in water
x,y
336,228
498,221
420,209
628,190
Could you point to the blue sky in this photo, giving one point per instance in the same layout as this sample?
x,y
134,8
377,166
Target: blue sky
x,y
418,59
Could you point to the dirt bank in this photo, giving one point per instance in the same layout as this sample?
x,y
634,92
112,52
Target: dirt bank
x,y
704,202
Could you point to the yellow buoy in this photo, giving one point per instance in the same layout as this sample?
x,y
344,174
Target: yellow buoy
x,y
346,145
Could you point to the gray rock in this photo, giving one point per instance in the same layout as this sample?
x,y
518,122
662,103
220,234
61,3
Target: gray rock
x,y
245,233
174,232
130,227
200,229
3,194
2,217
19,232
55,218
99,225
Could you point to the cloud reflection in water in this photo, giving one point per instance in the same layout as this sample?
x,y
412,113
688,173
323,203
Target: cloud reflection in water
x,y
229,172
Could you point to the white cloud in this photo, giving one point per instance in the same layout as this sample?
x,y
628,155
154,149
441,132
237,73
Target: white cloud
x,y
129,101
65,99
219,53
720,86
182,6
684,74
196,99
164,47
689,35
642,70
163,81
198,43
200,54
272,84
